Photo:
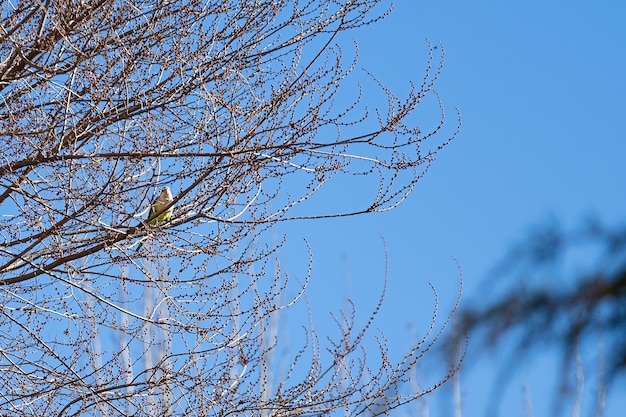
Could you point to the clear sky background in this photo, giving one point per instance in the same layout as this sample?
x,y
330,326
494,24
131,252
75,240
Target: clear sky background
x,y
541,87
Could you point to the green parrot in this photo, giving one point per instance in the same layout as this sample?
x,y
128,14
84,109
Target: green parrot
x,y
164,199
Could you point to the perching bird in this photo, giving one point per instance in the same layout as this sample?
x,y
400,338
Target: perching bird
x,y
164,199
159,204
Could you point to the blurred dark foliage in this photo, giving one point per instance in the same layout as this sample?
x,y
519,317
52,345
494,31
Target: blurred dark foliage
x,y
558,289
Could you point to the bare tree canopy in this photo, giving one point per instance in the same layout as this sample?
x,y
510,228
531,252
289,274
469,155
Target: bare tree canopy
x,y
239,108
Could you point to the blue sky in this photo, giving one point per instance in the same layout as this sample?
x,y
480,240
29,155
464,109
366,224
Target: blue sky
x,y
541,88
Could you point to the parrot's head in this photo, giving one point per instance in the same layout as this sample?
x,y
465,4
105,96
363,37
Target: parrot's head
x,y
166,194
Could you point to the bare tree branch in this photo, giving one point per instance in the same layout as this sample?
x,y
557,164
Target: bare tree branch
x,y
245,110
